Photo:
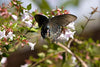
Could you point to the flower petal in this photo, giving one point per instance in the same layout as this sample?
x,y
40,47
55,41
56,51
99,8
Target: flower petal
x,y
32,45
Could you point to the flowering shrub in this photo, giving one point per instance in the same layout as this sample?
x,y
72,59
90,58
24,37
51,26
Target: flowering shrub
x,y
16,21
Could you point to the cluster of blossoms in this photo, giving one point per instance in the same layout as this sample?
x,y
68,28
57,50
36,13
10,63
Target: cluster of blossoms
x,y
69,32
27,18
9,35
7,32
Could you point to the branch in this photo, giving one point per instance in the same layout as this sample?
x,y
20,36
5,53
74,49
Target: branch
x,y
46,58
88,19
66,49
69,51
69,43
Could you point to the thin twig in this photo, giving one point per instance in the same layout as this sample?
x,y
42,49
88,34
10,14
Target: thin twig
x,y
94,10
69,43
86,23
69,51
78,41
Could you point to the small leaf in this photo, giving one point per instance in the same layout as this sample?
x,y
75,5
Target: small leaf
x,y
90,40
63,58
29,7
86,17
33,29
5,54
82,27
42,55
14,25
92,19
18,2
50,51
48,61
33,59
7,47
45,46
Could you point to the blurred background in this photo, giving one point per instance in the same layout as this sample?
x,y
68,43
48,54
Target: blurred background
x,y
80,8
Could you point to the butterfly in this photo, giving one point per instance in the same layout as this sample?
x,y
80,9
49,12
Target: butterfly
x,y
52,27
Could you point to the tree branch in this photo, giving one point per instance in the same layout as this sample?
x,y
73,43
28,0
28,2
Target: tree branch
x,y
69,51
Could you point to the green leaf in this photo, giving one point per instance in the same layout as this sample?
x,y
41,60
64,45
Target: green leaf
x,y
19,2
86,17
90,40
50,51
42,55
33,29
14,25
29,7
45,46
82,27
92,19
7,47
5,55
49,61
64,58
33,59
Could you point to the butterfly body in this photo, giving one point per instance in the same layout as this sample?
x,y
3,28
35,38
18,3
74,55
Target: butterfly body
x,y
54,25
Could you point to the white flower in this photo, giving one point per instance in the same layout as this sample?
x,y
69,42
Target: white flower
x,y
27,18
28,23
14,17
58,9
1,53
73,60
68,34
2,34
25,11
71,26
25,65
47,12
3,60
32,45
10,35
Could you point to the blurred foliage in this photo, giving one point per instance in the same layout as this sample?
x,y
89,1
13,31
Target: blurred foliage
x,y
70,2
43,5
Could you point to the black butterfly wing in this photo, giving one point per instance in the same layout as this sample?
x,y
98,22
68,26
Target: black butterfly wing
x,y
63,20
42,22
55,24
41,19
